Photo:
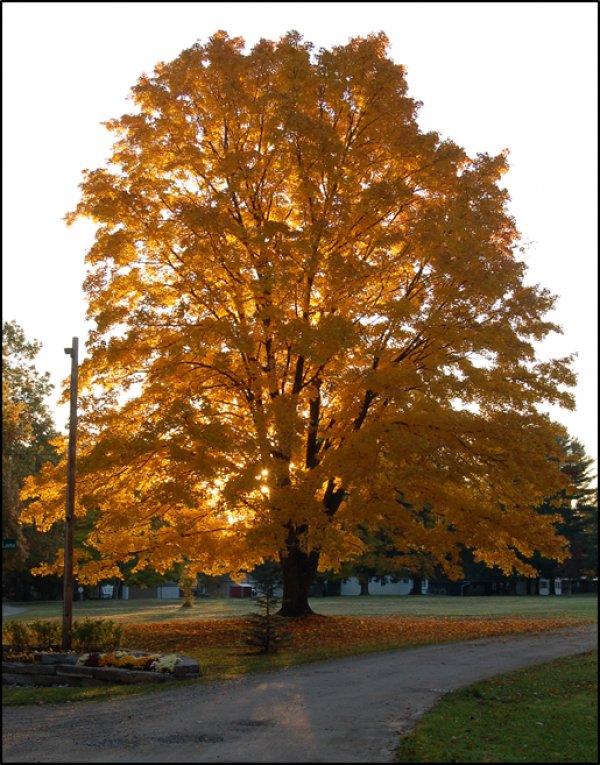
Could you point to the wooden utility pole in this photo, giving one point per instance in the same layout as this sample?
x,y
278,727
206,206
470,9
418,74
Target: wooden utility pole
x,y
70,514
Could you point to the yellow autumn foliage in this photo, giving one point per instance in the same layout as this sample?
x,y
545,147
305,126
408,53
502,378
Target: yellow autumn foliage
x,y
305,308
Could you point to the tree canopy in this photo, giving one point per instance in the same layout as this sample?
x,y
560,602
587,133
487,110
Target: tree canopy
x,y
304,306
27,435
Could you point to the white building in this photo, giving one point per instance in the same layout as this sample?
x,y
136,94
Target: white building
x,y
352,587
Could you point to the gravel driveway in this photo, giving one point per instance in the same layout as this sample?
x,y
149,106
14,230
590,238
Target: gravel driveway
x,y
349,710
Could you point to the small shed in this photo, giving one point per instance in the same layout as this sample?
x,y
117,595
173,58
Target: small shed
x,y
167,590
352,587
544,587
241,591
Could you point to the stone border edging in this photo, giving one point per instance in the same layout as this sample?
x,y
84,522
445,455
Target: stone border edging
x,y
61,669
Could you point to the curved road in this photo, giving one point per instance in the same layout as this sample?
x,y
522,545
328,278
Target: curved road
x,y
349,710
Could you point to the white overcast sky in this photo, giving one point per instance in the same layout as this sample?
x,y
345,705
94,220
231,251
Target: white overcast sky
x,y
490,75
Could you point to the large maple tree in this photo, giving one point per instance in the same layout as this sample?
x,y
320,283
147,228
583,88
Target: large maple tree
x,y
306,308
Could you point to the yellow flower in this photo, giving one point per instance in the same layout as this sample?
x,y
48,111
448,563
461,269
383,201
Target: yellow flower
x,y
166,663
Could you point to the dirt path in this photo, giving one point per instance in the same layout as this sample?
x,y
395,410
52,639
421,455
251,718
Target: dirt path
x,y
340,711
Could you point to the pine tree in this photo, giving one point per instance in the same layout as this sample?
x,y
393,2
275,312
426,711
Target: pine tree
x,y
267,631
577,506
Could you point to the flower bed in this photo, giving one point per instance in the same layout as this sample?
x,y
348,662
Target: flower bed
x,y
93,669
152,662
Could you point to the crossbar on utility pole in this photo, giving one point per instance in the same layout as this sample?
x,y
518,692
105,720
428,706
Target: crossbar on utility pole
x,y
70,513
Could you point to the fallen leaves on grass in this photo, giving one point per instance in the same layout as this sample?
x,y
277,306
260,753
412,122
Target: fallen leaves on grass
x,y
336,632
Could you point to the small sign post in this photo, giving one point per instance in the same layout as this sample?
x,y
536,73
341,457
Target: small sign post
x,y
70,514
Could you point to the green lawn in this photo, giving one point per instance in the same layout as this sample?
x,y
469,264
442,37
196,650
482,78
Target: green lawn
x,y
545,713
156,610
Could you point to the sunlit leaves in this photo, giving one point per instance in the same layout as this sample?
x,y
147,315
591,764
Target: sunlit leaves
x,y
288,274
335,632
27,440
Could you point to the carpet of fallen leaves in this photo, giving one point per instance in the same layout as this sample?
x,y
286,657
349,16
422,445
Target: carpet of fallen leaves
x,y
335,632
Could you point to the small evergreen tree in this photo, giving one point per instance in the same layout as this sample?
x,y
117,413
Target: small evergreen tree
x,y
267,631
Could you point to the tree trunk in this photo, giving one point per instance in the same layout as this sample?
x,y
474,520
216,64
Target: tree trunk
x,y
298,570
364,587
417,585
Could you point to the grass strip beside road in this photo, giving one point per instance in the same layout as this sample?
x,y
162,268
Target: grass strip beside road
x,y
218,646
545,713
